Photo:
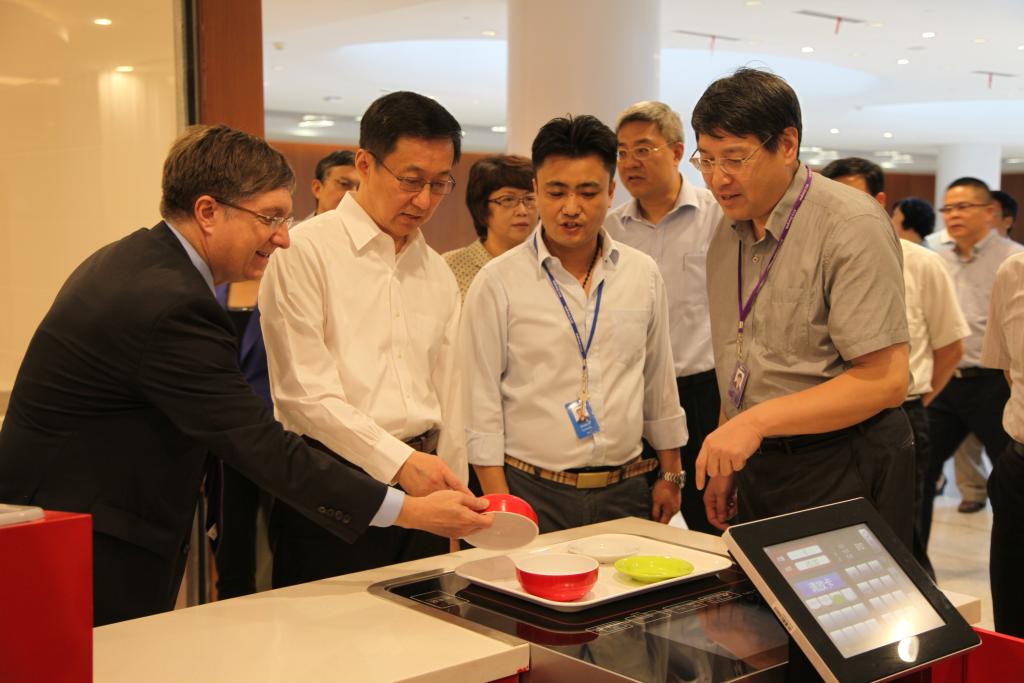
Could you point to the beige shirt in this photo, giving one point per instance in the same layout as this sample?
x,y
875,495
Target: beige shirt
x,y
835,292
361,341
1003,346
679,245
466,263
933,314
521,361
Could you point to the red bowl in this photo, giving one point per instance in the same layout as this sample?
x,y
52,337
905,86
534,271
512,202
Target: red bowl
x,y
557,576
505,502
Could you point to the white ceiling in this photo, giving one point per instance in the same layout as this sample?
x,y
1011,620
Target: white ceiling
x,y
329,58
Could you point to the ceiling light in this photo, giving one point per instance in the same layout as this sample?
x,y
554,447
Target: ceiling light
x,y
499,129
875,24
124,69
979,41
102,22
1020,47
903,62
753,3
887,135
316,121
358,118
489,33
928,34
834,131
1015,160
807,49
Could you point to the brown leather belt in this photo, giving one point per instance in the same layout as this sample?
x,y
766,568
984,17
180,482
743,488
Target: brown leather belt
x,y
425,442
596,479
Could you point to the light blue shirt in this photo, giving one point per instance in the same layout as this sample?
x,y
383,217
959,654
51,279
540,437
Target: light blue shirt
x,y
388,511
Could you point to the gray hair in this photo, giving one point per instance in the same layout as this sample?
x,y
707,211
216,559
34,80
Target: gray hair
x,y
658,113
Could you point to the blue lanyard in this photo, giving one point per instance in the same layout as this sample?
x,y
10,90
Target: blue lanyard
x,y
584,350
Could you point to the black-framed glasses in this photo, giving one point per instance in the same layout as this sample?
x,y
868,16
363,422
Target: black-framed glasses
x,y
639,153
730,166
272,222
410,184
511,201
960,206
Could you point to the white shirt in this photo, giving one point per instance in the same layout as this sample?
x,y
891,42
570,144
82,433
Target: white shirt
x,y
1004,339
522,362
933,314
679,245
360,341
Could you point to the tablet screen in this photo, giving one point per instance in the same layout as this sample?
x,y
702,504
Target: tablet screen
x,y
854,588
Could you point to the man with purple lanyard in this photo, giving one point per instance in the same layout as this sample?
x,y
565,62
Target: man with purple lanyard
x,y
808,322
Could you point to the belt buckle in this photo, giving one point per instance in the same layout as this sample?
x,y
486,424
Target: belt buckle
x,y
592,480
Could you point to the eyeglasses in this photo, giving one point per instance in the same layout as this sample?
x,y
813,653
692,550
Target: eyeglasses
x,y
408,184
272,222
639,153
510,201
730,166
960,206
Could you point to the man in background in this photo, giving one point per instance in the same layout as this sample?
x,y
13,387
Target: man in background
x,y
336,176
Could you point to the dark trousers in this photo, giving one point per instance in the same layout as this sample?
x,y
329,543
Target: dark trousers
x,y
918,417
563,507
874,460
305,551
698,394
1006,555
236,538
130,581
967,404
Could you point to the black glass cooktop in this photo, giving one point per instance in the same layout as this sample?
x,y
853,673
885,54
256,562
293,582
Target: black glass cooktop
x,y
714,629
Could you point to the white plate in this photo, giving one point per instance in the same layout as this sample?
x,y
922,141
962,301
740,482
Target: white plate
x,y
499,573
606,548
509,531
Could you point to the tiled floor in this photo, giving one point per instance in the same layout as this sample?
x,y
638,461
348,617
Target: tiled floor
x,y
958,548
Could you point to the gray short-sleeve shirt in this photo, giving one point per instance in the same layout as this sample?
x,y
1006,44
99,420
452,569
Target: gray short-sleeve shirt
x,y
834,293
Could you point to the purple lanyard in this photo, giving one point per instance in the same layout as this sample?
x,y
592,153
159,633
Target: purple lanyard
x,y
746,308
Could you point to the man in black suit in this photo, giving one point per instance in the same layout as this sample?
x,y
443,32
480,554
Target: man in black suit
x,y
132,379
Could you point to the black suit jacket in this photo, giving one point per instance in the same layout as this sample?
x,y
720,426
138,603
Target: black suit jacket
x,y
131,380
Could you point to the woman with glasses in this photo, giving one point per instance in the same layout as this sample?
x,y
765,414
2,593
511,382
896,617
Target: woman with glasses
x,y
501,200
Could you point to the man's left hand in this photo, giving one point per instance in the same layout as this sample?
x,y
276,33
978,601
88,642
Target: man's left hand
x,y
666,498
727,449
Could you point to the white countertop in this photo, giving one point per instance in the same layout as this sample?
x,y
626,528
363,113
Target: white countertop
x,y
333,630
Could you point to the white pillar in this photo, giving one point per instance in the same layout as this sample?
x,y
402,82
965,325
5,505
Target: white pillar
x,y
955,161
578,57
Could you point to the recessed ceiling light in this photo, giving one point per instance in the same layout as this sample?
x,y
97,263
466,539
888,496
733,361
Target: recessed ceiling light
x,y
887,135
499,129
979,41
489,33
834,131
1020,47
316,121
102,22
876,24
807,49
124,69
928,34
753,3
903,62
1014,161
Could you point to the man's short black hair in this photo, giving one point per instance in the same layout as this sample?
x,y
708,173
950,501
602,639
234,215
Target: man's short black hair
x,y
871,172
976,183
1007,202
407,114
749,102
342,157
918,215
576,137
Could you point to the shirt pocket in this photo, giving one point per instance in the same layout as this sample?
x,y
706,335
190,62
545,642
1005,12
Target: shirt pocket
x,y
784,320
628,335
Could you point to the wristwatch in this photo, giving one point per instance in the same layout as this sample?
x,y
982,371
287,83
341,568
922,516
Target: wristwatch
x,y
677,478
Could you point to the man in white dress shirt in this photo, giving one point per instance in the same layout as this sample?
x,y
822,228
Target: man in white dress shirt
x,y
360,322
672,221
567,354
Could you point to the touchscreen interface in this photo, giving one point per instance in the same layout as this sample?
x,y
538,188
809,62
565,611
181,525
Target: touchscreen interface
x,y
853,587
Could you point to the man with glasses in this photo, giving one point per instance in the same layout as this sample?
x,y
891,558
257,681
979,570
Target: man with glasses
x,y
672,221
973,400
360,319
336,176
808,322
132,381
568,358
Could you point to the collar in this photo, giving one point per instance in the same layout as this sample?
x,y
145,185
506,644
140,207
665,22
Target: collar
x,y
363,230
609,248
687,196
194,257
777,218
978,247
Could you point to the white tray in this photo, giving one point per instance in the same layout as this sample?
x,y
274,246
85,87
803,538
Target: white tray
x,y
499,573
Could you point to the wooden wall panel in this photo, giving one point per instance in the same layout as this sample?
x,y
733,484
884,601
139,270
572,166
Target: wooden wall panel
x,y
229,46
902,185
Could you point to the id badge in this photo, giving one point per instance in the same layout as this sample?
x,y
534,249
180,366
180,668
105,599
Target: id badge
x,y
738,384
582,418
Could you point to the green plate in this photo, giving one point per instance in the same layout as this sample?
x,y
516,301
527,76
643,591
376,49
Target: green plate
x,y
652,568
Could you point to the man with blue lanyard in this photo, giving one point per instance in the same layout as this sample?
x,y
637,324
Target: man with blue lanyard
x,y
568,361
808,322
